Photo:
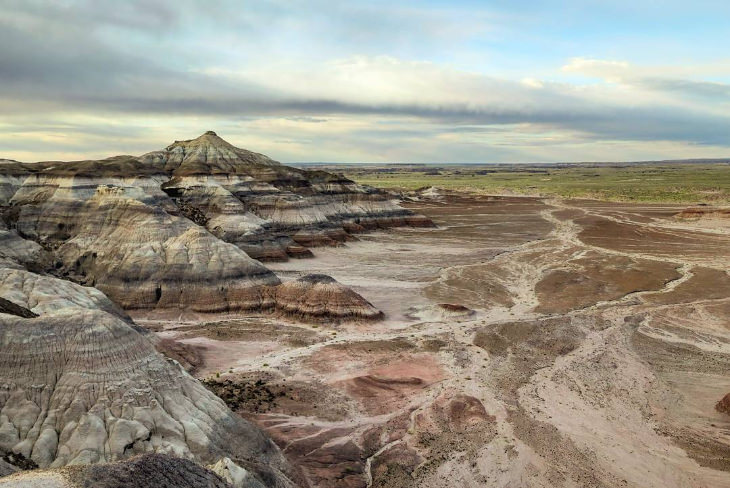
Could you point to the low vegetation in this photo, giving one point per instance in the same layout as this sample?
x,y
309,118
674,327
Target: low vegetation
x,y
667,182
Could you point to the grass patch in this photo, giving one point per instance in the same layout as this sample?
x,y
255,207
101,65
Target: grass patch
x,y
673,183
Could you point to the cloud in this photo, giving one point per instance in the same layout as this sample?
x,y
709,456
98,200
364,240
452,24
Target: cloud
x,y
390,87
672,80
79,74
607,69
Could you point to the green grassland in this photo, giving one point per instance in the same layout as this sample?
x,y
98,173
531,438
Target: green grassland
x,y
674,182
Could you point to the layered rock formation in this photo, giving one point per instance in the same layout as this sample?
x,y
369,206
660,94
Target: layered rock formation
x,y
315,295
121,238
267,209
21,253
80,385
184,227
158,470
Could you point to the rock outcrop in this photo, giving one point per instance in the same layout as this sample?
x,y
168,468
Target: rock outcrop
x,y
158,470
121,239
21,253
234,475
10,308
454,310
182,228
6,469
723,406
316,295
80,385
185,227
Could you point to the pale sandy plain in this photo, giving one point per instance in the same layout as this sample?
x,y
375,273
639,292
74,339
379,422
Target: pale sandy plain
x,y
595,347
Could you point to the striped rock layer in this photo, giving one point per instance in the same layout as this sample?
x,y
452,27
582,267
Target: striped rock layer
x,y
185,227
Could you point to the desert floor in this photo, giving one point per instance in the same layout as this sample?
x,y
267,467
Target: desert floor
x,y
584,344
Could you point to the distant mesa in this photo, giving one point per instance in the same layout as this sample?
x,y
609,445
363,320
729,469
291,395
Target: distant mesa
x,y
425,193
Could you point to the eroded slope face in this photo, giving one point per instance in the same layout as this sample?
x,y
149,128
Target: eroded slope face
x,y
209,154
186,226
116,238
565,357
79,385
322,296
159,470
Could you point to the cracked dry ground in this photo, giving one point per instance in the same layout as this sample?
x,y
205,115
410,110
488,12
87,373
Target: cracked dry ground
x,y
597,352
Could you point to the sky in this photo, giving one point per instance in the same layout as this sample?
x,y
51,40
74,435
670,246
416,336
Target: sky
x,y
459,81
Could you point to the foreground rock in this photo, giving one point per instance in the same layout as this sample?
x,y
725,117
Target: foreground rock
x,y
233,474
80,385
158,470
8,307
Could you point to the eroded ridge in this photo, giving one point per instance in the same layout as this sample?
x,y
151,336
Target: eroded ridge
x,y
80,385
186,227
